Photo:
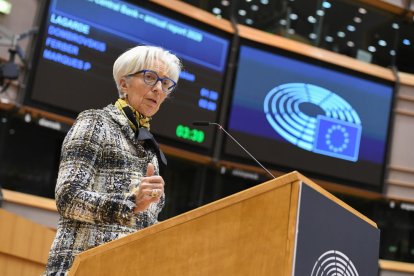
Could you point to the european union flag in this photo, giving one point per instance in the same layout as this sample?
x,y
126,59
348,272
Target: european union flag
x,y
337,138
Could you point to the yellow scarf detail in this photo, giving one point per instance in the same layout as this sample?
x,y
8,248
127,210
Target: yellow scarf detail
x,y
142,120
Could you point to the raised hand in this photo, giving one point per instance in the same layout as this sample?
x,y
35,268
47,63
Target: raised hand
x,y
150,190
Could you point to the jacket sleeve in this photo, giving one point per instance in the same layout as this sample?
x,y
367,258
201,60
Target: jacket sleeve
x,y
81,152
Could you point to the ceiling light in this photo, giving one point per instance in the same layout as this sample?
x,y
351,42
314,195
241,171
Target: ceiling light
x,y
341,34
312,36
282,22
395,26
326,4
27,118
382,43
254,7
242,12
357,19
320,12
350,44
393,53
362,11
293,16
372,49
406,42
225,3
264,2
291,31
216,10
311,19
350,28
329,38
5,7
249,21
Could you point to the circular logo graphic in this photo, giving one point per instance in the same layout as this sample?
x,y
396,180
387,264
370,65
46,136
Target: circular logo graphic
x,y
334,263
315,119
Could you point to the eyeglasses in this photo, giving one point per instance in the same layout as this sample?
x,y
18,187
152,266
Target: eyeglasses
x,y
151,78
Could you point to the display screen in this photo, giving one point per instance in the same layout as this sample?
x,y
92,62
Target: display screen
x,y
315,118
80,40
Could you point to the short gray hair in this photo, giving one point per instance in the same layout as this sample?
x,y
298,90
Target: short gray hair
x,y
143,57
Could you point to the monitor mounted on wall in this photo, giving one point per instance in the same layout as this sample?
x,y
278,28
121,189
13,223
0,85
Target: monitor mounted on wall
x,y
295,113
79,41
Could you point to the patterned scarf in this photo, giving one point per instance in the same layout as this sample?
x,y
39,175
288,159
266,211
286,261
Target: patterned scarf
x,y
135,119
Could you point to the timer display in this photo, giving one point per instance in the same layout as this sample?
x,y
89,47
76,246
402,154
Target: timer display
x,y
187,133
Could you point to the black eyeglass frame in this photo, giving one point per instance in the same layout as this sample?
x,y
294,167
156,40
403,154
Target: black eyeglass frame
x,y
169,89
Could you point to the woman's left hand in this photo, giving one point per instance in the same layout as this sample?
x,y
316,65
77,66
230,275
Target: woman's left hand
x,y
150,190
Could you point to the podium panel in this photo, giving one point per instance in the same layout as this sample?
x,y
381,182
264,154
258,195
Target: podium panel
x,y
254,232
332,240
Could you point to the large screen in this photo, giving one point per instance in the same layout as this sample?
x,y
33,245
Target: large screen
x,y
80,39
297,114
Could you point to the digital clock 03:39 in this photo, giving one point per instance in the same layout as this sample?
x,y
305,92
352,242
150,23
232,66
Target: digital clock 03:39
x,y
187,133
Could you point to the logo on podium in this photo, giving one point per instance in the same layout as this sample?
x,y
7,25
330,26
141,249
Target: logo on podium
x,y
334,262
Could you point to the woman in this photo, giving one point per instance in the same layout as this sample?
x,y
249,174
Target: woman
x,y
108,184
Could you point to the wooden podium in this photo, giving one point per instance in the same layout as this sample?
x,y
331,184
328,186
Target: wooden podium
x,y
286,226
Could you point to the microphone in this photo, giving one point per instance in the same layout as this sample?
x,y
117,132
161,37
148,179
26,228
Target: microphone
x,y
203,123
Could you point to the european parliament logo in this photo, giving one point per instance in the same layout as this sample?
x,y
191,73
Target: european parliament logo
x,y
334,262
335,131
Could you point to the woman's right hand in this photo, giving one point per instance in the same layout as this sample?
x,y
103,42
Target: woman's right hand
x,y
150,190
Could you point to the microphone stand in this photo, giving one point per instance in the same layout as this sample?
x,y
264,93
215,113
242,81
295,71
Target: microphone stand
x,y
228,134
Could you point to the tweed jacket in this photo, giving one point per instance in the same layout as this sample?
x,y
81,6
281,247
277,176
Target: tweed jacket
x,y
101,163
